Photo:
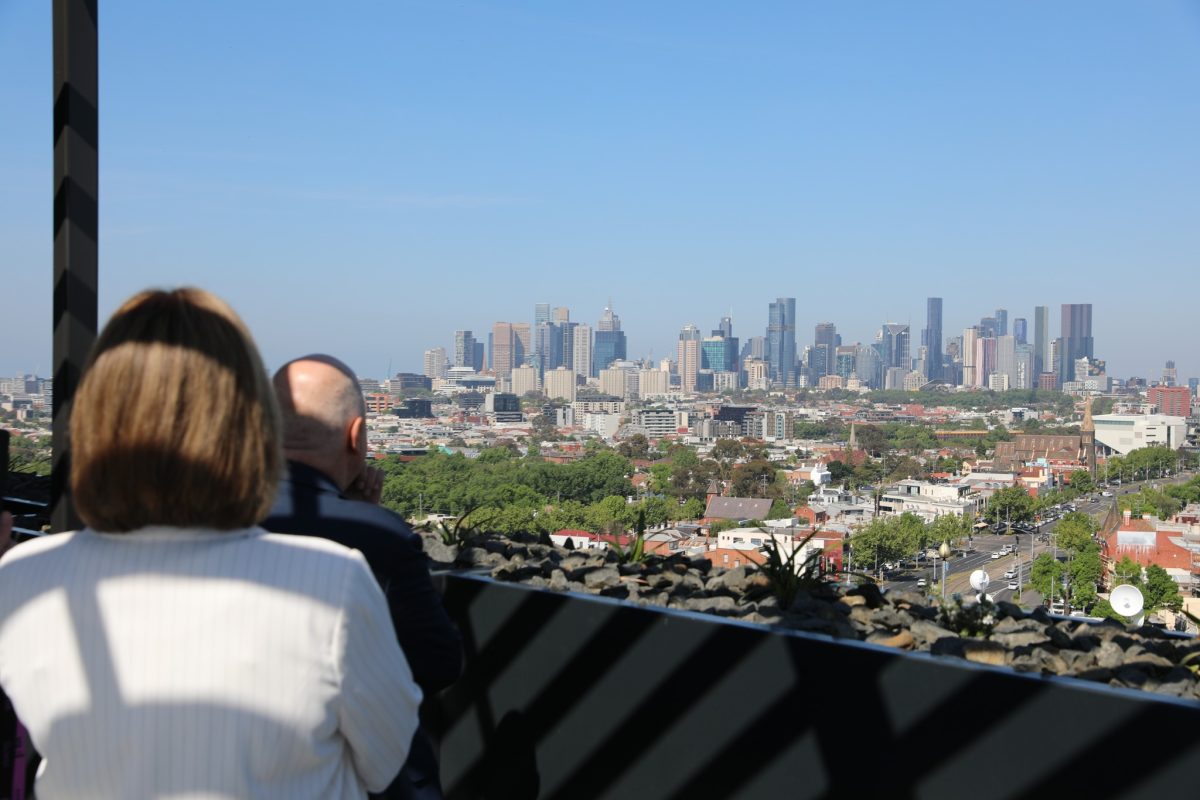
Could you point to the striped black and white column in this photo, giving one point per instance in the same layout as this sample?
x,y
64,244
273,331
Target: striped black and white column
x,y
76,190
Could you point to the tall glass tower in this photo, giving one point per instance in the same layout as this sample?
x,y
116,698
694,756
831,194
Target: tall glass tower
x,y
932,338
781,338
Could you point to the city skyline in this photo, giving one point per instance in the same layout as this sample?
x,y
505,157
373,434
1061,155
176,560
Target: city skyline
x,y
440,166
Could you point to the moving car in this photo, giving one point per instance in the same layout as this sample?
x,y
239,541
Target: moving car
x,y
1013,585
920,583
1010,574
995,555
1106,494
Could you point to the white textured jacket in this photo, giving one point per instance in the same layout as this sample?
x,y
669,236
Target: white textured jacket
x,y
189,663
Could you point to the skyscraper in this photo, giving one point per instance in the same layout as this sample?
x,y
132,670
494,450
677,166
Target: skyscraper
x,y
609,341
932,338
435,362
970,372
896,348
541,313
1001,322
1021,330
1041,340
581,350
688,353
1077,338
781,338
464,351
506,349
825,343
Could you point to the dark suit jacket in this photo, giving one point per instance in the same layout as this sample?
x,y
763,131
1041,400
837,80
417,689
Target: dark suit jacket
x,y
310,503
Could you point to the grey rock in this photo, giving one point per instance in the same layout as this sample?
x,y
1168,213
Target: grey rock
x,y
1007,610
1109,655
1017,625
733,580
601,578
1020,639
926,633
869,592
558,581
719,604
438,551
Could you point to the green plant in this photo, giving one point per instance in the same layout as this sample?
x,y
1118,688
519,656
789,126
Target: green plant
x,y
975,620
788,574
453,535
635,553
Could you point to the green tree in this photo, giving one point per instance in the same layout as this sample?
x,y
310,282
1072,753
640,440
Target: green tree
x,y
1010,504
692,508
1161,591
1084,573
949,528
1075,531
635,447
1081,480
1045,576
779,510
1127,571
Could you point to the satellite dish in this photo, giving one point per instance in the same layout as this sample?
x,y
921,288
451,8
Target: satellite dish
x,y
1126,600
979,580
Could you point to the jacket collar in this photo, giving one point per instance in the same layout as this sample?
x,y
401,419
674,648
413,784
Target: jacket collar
x,y
304,475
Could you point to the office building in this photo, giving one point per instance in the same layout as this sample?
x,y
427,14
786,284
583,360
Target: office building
x,y
781,338
825,342
1001,322
725,329
869,366
614,382
1041,340
1020,330
931,338
987,328
718,354
541,314
1193,385
757,374
895,351
1076,336
506,350
1170,375
607,347
755,347
1119,434
1024,377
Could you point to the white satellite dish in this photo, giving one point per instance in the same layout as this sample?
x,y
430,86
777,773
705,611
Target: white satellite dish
x,y
1127,601
980,580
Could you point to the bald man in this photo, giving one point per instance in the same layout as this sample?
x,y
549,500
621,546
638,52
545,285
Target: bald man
x,y
329,491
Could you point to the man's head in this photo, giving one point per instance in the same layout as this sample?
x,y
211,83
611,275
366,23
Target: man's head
x,y
324,417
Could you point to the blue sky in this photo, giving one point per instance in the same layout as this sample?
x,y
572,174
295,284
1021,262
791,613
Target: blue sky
x,y
365,178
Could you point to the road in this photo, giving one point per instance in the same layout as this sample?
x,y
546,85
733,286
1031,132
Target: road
x,y
959,569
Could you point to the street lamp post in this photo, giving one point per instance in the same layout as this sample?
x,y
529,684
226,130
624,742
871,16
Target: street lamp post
x,y
944,551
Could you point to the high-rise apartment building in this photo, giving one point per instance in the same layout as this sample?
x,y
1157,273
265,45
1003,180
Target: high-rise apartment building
x,y
1173,401
1026,378
688,354
1076,338
781,338
609,342
465,350
435,362
970,371
560,383
581,350
1006,359
524,380
653,382
931,338
1041,339
1002,322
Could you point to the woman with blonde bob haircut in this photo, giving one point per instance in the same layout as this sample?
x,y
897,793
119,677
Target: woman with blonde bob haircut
x,y
173,647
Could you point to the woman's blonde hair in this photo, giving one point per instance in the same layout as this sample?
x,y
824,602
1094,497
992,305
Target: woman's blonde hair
x,y
175,422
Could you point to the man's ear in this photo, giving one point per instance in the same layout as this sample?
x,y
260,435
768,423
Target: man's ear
x,y
356,435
